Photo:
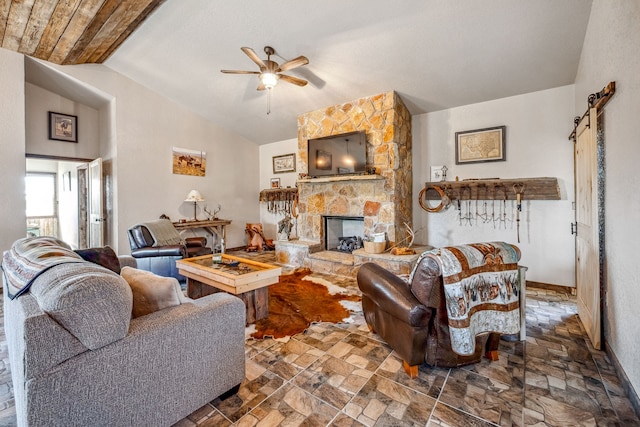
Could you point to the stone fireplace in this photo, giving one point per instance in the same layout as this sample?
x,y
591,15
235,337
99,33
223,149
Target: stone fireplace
x,y
384,199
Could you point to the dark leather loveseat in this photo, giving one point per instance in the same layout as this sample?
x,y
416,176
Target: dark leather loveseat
x,y
413,319
161,259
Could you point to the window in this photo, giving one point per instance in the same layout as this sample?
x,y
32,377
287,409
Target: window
x,y
40,191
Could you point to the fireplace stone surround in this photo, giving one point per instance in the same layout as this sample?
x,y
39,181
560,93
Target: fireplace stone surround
x,y
383,199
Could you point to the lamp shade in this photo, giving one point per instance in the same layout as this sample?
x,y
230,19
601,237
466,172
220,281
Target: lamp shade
x,y
194,196
269,80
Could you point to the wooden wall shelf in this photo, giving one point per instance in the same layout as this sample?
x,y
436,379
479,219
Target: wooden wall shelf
x,y
278,194
495,189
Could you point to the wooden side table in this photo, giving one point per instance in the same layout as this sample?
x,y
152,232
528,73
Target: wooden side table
x,y
215,227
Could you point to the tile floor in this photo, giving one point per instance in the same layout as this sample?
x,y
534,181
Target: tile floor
x,y
342,375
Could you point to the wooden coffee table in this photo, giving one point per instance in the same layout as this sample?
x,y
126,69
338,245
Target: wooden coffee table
x,y
248,280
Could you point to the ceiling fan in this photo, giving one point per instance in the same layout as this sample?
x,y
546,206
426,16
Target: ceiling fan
x,y
270,71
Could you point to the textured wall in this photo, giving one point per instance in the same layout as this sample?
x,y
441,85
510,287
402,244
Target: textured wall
x,y
385,202
12,143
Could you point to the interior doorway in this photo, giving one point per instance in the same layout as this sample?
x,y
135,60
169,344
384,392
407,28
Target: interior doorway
x,y
56,199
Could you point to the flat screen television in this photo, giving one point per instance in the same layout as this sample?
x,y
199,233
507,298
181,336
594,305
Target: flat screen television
x,y
344,154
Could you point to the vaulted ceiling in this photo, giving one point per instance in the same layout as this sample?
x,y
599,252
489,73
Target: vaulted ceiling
x,y
436,54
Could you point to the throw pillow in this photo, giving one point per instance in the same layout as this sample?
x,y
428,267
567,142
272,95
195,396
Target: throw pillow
x,y
151,292
105,257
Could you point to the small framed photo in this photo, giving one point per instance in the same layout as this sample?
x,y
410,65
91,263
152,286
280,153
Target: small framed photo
x,y
481,145
275,182
323,160
284,163
63,127
436,173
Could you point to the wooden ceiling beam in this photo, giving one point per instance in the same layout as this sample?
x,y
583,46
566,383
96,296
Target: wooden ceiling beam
x,y
116,24
40,16
132,27
18,17
55,28
106,9
76,30
5,5
70,31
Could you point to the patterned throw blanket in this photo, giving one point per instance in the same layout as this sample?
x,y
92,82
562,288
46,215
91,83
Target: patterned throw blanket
x,y
163,232
30,257
482,290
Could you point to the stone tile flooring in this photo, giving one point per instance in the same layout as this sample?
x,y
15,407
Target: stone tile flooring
x,y
343,375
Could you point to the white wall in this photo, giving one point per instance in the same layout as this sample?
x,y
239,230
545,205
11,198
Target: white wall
x,y
137,129
39,102
610,53
146,126
270,221
12,146
537,127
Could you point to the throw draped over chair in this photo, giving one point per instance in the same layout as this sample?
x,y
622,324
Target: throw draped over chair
x,y
457,302
156,245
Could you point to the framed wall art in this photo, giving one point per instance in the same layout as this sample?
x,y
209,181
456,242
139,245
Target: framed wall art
x,y
63,127
188,162
284,163
481,145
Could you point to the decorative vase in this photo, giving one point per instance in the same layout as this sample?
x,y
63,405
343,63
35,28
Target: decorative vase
x,y
374,247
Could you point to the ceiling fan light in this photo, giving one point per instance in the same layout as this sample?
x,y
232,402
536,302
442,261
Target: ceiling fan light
x,y
268,80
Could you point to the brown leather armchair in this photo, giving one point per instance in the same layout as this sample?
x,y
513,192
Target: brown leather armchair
x,y
412,317
161,259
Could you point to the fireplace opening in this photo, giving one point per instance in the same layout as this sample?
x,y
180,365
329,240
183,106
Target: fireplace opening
x,y
343,233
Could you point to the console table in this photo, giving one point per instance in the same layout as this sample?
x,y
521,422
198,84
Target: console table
x,y
215,227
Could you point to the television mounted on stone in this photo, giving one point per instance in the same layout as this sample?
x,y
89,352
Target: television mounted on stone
x,y
343,154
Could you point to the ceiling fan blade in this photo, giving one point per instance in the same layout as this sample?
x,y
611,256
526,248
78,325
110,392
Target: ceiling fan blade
x,y
252,55
294,63
261,86
239,72
294,80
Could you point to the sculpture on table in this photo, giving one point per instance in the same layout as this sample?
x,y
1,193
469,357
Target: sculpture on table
x,y
213,215
284,227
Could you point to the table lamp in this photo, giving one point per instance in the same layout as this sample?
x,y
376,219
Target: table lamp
x,y
195,197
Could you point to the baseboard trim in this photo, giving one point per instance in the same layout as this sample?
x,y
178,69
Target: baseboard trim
x,y
549,287
624,380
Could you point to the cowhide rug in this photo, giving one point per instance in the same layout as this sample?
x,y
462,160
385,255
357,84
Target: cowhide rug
x,y
297,301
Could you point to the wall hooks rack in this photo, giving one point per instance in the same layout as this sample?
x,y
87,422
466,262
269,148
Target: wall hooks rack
x,y
493,189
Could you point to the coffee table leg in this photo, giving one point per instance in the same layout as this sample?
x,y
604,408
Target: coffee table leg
x,y
197,289
257,302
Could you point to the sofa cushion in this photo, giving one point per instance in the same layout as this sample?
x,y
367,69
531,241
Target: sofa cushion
x,y
152,292
92,303
104,256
